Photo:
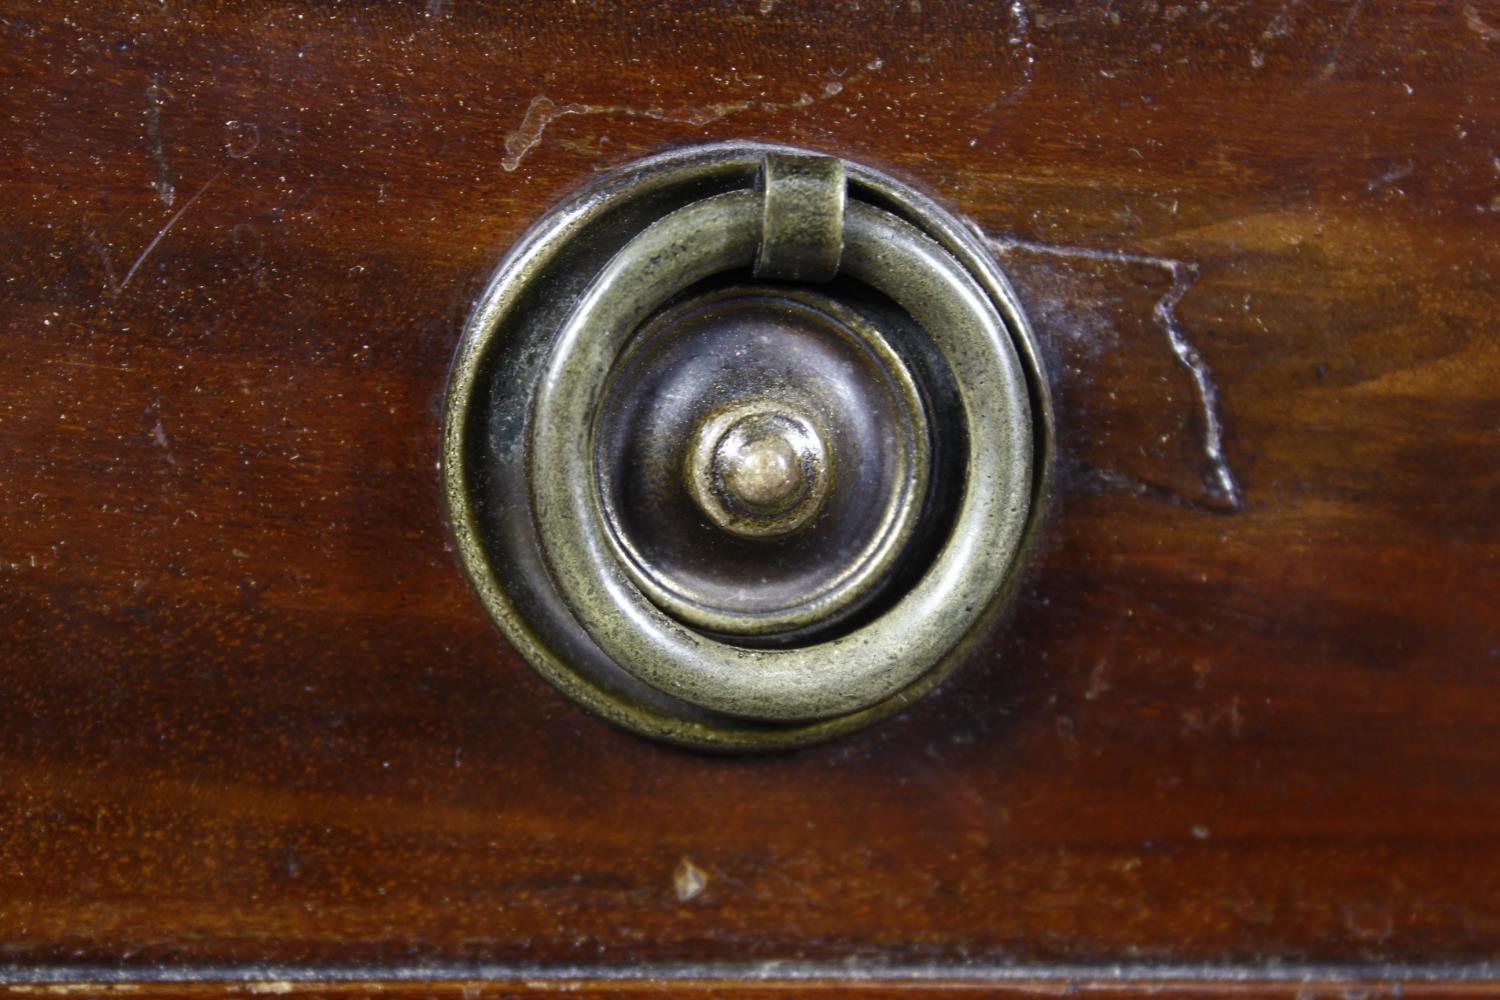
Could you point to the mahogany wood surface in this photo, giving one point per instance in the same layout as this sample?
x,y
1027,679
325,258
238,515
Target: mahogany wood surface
x,y
1246,712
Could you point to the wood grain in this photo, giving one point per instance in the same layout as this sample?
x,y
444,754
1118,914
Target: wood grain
x,y
1247,710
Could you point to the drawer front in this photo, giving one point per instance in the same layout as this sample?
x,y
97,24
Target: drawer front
x,y
1242,723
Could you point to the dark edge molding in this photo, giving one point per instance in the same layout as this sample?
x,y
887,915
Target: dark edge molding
x,y
729,974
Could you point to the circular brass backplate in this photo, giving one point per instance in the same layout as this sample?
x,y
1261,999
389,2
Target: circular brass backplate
x,y
744,446
737,372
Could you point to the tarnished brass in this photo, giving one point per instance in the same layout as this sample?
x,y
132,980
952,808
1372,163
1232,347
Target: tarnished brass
x,y
745,445
759,470
772,368
802,217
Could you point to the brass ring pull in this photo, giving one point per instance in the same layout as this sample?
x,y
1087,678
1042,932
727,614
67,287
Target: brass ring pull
x,y
842,674
729,511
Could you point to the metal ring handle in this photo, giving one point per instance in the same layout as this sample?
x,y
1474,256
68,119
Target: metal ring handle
x,y
873,662
490,435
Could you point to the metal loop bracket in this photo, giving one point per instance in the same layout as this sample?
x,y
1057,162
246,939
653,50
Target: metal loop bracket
x,y
802,217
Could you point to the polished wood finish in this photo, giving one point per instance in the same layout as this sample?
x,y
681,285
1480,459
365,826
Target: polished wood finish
x,y
1248,706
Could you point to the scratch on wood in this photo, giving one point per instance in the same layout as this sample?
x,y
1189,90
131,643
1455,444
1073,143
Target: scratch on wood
x,y
1020,38
1477,25
160,439
1097,684
1184,274
110,281
1280,26
167,228
1385,179
155,101
543,111
1332,65
241,139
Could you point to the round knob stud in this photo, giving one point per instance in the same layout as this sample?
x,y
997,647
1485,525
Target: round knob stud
x,y
759,471
769,465
765,464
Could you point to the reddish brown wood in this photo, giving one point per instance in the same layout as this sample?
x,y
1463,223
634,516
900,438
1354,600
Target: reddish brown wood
x,y
250,713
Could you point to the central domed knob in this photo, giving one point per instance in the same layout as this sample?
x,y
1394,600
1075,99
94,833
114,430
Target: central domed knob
x,y
765,473
759,470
